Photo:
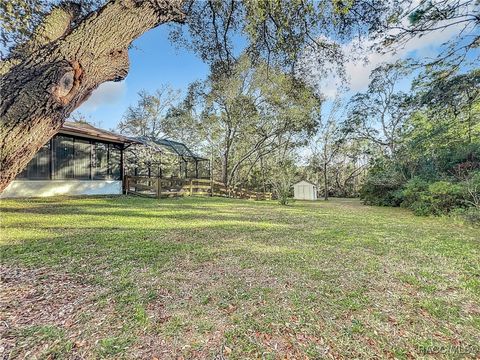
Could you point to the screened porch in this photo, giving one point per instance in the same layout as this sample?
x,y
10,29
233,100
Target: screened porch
x,y
166,159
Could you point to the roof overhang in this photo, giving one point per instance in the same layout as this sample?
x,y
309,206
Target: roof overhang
x,y
93,133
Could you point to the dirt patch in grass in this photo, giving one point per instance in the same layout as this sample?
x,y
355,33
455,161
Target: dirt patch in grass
x,y
42,312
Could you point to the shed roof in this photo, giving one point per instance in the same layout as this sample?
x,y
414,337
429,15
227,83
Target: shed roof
x,y
304,182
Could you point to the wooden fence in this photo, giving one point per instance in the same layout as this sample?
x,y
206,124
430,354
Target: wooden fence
x,y
162,188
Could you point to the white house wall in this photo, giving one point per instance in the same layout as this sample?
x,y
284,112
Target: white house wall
x,y
43,188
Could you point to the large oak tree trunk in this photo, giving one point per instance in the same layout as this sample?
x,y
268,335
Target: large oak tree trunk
x,y
60,67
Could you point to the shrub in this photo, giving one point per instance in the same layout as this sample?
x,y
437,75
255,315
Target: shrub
x,y
435,198
283,192
383,188
472,216
413,191
422,208
282,182
471,190
436,190
445,196
469,215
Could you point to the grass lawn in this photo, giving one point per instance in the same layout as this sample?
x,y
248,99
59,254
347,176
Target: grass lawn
x,y
127,277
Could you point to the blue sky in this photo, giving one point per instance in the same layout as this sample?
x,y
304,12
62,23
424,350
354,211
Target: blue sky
x,y
154,61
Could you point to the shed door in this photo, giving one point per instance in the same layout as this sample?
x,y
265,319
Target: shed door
x,y
304,192
298,192
308,192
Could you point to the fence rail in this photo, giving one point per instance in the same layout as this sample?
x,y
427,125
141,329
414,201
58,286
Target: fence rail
x,y
163,188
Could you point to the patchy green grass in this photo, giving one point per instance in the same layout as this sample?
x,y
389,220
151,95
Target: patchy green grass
x,y
128,277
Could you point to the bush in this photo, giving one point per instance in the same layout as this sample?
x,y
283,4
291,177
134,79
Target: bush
x,y
469,215
283,193
445,196
472,216
380,195
413,191
471,190
422,208
282,182
435,198
383,188
430,193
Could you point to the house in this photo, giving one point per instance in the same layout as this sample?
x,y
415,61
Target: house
x,y
84,160
305,190
79,160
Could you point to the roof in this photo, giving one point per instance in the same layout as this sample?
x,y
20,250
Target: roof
x,y
171,146
89,131
304,181
86,130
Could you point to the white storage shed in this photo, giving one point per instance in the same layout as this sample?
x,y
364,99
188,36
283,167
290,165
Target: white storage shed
x,y
305,190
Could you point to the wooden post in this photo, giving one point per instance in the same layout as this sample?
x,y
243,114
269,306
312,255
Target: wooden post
x,y
159,187
191,187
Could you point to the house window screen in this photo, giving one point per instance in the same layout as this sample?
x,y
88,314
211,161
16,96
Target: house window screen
x,y
63,157
101,161
66,157
83,159
39,167
114,162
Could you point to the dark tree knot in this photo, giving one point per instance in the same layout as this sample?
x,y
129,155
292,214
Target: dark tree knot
x,y
64,90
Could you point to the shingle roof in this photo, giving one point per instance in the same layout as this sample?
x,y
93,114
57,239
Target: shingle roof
x,y
81,128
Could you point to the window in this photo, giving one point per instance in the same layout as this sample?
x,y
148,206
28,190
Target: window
x,y
75,158
100,165
63,157
114,161
83,159
39,167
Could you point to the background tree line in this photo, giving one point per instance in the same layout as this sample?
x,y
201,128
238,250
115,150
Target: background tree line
x,y
422,148
264,129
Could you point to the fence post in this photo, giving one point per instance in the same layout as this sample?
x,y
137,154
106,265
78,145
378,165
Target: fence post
x,y
159,187
191,187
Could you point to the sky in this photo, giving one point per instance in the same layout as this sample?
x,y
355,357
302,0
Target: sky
x,y
155,61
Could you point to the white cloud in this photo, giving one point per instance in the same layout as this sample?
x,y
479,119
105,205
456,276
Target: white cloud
x,y
358,71
109,93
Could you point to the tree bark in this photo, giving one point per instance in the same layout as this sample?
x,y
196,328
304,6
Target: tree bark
x,y
325,181
225,178
42,87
